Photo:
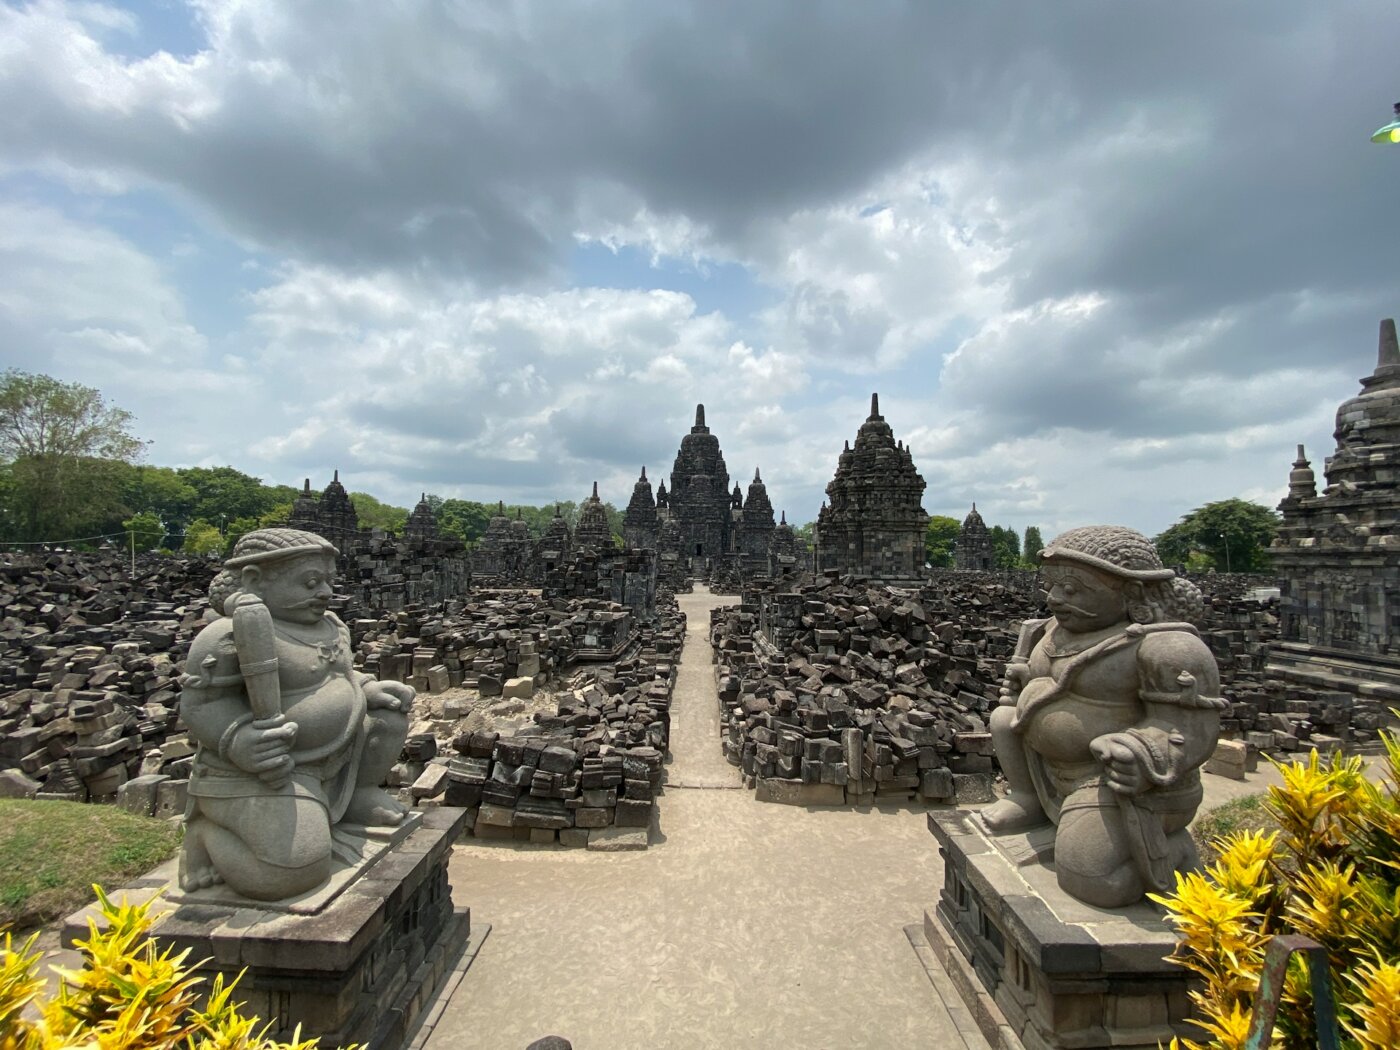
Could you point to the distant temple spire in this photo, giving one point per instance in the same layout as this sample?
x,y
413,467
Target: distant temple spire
x,y
874,406
1389,349
699,415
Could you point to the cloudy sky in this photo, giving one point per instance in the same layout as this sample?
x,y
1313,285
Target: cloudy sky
x,y
1103,262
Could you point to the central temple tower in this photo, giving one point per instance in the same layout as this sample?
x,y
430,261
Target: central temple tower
x,y
699,497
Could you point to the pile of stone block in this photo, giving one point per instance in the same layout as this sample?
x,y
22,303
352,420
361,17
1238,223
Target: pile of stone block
x,y
89,665
379,572
584,774
497,638
1266,713
625,577
840,692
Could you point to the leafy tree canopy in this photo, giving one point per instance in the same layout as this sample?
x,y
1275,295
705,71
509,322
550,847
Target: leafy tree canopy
x,y
1006,547
201,537
61,446
148,530
939,540
223,494
42,416
375,515
1031,546
1232,535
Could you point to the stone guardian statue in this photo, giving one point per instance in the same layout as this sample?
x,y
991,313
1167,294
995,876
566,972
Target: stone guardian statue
x,y
1108,710
293,742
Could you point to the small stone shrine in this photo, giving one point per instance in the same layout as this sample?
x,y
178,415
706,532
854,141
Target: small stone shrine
x,y
756,529
296,866
873,523
974,550
332,515
554,546
593,530
504,550
640,525
1107,712
1337,554
421,528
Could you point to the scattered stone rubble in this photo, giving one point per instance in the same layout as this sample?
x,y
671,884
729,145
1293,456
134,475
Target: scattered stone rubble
x,y
89,668
585,773
843,692
840,692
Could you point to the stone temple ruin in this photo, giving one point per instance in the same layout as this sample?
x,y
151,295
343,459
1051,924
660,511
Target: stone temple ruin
x,y
873,523
1338,553
546,667
974,549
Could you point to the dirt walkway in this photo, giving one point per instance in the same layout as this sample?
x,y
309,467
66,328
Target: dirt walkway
x,y
744,925
696,758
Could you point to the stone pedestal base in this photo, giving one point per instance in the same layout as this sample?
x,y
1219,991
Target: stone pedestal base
x,y
1039,969
361,969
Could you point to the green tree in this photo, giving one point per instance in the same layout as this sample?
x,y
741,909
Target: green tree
x,y
1031,547
162,492
223,494
274,518
939,540
465,519
61,443
1232,535
238,528
375,515
202,538
149,530
1006,547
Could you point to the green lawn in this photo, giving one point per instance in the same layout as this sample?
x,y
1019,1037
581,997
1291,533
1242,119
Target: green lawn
x,y
52,852
1247,812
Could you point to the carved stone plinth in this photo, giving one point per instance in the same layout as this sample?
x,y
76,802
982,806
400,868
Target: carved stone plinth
x,y
360,967
1038,969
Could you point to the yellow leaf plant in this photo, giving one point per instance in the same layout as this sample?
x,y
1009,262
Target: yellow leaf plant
x,y
129,995
1331,873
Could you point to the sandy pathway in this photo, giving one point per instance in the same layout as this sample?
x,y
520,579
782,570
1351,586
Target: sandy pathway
x,y
744,925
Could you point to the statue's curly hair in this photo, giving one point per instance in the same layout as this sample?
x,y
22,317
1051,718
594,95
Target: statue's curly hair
x,y
260,547
1154,593
1176,600
1115,548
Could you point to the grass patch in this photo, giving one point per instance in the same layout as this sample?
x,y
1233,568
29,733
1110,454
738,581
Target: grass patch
x,y
52,852
1246,813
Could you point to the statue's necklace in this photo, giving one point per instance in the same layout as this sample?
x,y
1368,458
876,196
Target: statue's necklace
x,y
1056,648
327,652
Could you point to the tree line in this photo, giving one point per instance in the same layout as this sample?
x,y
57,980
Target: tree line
x,y
70,475
1230,535
1009,549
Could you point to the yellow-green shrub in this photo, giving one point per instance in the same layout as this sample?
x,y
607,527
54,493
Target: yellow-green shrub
x,y
128,996
1332,873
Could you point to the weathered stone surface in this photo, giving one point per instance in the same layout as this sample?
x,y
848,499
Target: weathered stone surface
x,y
797,793
1337,556
280,577
1113,690
359,970
1034,966
518,688
1230,759
873,523
617,840
14,784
